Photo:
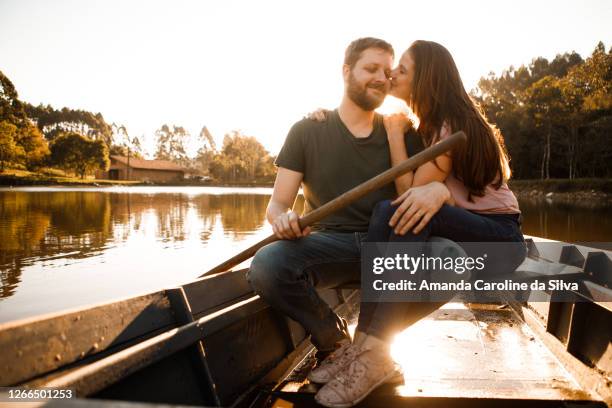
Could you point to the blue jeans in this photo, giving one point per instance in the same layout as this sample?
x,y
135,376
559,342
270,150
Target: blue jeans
x,y
385,319
285,274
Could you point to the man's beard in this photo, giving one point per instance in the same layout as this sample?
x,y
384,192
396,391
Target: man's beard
x,y
359,95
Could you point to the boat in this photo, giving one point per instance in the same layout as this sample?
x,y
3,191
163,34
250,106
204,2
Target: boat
x,y
212,342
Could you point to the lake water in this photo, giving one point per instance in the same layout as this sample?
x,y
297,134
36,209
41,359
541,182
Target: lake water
x,y
62,248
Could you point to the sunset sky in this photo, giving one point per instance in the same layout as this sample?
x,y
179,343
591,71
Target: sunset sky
x,y
257,66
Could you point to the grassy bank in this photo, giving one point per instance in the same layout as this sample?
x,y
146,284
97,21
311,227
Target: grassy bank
x,y
12,177
53,177
587,193
562,186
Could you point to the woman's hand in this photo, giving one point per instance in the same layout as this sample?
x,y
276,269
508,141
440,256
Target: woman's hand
x,y
418,205
319,115
396,124
286,226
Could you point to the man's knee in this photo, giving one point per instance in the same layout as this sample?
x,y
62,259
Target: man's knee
x,y
266,267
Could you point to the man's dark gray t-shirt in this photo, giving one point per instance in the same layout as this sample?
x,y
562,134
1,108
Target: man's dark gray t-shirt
x,y
334,161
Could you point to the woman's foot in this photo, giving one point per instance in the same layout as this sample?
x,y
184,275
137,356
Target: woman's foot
x,y
371,367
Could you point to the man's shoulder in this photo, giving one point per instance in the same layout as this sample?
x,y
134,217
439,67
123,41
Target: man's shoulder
x,y
306,125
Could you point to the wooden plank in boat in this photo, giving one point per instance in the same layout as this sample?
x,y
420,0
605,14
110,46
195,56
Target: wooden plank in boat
x,y
379,399
101,403
597,294
557,251
244,351
195,353
477,351
212,293
598,267
172,380
91,378
590,336
590,378
234,340
242,343
570,255
480,351
32,347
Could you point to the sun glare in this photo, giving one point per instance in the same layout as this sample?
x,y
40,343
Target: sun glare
x,y
393,105
419,356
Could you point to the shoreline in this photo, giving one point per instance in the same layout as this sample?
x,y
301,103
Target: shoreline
x,y
9,180
578,191
589,193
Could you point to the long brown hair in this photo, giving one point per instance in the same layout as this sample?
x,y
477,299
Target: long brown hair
x,y
438,96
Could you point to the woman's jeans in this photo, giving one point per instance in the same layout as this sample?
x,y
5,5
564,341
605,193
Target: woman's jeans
x,y
385,319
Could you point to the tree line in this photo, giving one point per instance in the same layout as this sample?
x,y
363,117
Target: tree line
x,y
241,158
81,142
556,116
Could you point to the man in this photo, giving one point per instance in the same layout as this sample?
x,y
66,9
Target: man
x,y
327,158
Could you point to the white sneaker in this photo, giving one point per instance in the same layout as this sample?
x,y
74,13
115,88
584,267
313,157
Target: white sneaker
x,y
369,369
334,362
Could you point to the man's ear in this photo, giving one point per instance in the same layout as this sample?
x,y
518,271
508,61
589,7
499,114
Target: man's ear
x,y
346,71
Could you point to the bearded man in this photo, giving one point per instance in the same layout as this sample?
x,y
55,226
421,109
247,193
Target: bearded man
x,y
327,158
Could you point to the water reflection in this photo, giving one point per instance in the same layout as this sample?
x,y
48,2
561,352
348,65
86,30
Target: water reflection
x,y
41,226
65,247
586,222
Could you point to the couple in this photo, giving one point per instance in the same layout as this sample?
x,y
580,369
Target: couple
x,y
461,196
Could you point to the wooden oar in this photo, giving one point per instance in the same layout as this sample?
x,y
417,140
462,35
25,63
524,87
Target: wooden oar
x,y
350,196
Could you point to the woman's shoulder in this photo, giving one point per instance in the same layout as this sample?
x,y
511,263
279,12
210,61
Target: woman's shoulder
x,y
445,131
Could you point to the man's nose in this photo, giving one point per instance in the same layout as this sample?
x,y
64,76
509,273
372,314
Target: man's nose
x,y
381,76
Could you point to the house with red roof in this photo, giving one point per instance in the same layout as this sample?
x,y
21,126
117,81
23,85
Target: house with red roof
x,y
156,171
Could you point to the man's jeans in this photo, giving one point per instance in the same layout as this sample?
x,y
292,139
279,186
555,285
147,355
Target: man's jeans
x,y
285,274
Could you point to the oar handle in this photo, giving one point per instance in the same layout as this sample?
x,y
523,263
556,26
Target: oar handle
x,y
351,196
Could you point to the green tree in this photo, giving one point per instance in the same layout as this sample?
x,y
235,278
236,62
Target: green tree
x,y
137,147
242,159
588,91
123,145
77,153
554,113
53,122
171,144
9,149
545,106
11,108
35,147
26,136
206,151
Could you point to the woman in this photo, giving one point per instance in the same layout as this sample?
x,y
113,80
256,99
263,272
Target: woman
x,y
479,207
